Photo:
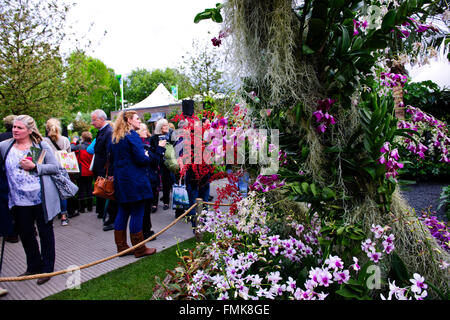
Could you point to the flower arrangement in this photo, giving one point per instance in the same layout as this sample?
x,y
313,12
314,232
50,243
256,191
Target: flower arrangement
x,y
245,259
439,230
323,118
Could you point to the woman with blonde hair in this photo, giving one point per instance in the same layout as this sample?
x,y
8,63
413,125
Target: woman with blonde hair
x,y
33,197
162,133
84,181
128,165
57,142
152,173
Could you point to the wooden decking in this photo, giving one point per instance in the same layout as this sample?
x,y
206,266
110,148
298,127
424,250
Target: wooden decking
x,y
81,242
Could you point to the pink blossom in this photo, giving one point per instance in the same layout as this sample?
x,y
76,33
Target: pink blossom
x,y
355,266
385,147
341,276
394,154
418,283
374,256
334,262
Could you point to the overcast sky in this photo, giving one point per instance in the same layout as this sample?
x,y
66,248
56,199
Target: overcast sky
x,y
146,34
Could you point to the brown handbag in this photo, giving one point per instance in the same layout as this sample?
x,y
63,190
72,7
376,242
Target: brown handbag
x,y
104,186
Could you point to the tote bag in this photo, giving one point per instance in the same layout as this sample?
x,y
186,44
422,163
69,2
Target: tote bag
x,y
180,198
68,161
66,188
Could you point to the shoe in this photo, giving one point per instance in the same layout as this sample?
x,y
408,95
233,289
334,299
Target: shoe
x,y
71,215
154,209
120,238
64,222
108,227
142,250
12,239
149,234
166,207
41,281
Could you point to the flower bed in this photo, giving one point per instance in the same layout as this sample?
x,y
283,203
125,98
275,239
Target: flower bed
x,y
245,259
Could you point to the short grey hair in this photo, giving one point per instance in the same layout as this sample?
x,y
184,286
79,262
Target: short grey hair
x,y
159,124
99,113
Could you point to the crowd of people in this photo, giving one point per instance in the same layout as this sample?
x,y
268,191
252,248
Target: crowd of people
x,y
141,163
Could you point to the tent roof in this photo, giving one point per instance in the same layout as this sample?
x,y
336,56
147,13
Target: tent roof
x,y
158,98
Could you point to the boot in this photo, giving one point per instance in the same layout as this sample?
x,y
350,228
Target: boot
x,y
142,250
120,238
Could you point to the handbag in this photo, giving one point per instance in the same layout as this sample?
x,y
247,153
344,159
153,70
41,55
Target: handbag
x,y
104,186
66,188
180,198
67,160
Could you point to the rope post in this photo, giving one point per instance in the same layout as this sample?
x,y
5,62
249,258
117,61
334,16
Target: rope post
x,y
199,209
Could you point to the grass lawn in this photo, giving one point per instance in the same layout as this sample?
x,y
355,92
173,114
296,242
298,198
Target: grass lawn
x,y
132,282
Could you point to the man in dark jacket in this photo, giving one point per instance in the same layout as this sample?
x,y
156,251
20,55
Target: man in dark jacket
x,y
6,226
13,237
103,140
8,122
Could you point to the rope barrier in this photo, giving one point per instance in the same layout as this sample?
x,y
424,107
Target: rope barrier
x,y
56,273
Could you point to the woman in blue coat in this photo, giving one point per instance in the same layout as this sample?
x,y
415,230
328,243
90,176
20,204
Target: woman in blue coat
x,y
128,165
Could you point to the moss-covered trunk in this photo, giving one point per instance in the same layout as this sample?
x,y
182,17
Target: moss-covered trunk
x,y
267,45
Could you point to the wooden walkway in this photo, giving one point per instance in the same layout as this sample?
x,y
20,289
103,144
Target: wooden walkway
x,y
81,242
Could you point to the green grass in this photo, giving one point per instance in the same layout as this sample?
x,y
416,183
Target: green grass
x,y
132,282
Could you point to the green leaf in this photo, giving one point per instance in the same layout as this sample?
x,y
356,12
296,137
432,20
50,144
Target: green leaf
x,y
202,16
388,21
327,193
313,189
345,40
217,17
371,171
305,187
398,268
307,50
347,293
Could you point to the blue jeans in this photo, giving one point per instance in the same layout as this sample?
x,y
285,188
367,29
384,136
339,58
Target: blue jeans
x,y
63,206
194,193
134,210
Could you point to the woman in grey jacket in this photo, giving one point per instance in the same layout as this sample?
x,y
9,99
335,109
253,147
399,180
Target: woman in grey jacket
x,y
33,197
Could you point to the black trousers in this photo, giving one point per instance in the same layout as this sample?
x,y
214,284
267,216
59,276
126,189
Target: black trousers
x,y
147,222
155,193
42,261
85,192
167,183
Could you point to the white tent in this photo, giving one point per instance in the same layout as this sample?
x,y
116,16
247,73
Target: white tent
x,y
161,97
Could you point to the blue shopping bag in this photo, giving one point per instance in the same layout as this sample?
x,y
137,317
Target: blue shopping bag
x,y
180,198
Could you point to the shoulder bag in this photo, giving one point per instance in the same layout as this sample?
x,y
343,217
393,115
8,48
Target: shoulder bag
x,y
66,188
104,186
